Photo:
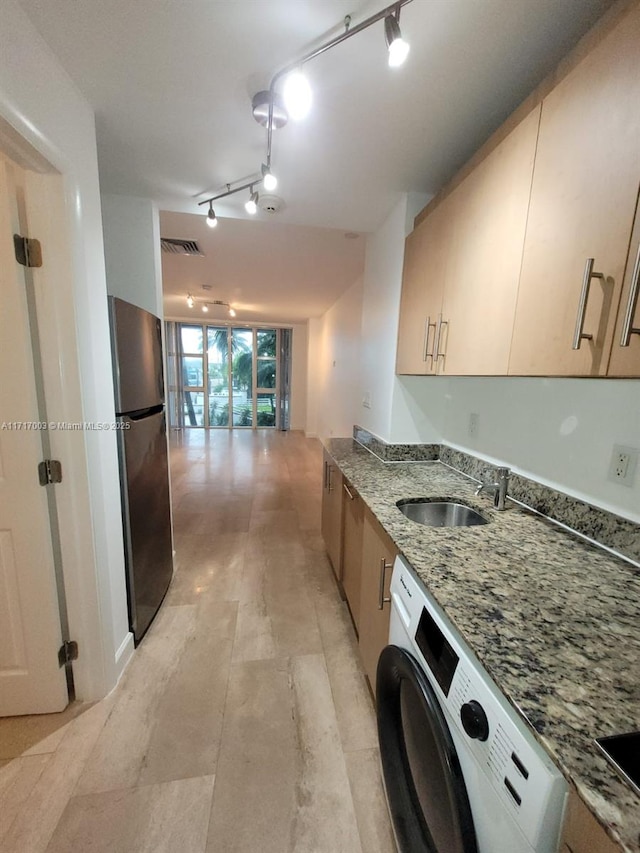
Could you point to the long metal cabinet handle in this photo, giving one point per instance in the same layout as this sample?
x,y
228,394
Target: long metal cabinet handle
x,y
326,468
381,599
436,344
627,327
426,354
344,486
579,335
329,470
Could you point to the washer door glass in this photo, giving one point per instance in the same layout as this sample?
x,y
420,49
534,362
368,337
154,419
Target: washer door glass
x,y
425,788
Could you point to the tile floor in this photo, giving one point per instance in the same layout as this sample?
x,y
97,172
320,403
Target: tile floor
x,y
244,722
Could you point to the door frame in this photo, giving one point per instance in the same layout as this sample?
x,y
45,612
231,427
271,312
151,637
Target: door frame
x,y
96,596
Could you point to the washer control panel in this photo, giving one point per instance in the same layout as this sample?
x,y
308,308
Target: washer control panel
x,y
504,748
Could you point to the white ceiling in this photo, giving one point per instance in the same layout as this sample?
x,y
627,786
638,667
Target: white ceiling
x,y
268,272
171,83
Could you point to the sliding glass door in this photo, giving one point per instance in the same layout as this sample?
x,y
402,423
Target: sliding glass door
x,y
218,384
267,377
230,377
242,373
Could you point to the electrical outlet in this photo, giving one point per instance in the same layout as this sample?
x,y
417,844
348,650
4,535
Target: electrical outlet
x,y
474,422
366,399
622,467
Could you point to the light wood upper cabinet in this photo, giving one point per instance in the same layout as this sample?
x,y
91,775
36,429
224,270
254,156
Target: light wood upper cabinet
x,y
378,554
481,287
584,193
625,352
462,263
427,252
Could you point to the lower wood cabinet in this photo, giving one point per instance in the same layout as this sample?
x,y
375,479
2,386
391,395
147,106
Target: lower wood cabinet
x,y
362,556
332,513
582,833
352,527
378,554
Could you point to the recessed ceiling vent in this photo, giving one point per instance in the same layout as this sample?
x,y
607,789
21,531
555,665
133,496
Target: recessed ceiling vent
x,y
180,247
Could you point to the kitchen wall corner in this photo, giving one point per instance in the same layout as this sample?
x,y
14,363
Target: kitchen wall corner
x,y
131,228
333,386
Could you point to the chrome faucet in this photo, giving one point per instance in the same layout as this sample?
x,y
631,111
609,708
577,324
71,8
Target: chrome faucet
x,y
498,489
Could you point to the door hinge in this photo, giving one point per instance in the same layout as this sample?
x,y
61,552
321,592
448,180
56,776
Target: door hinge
x,y
49,471
28,251
68,652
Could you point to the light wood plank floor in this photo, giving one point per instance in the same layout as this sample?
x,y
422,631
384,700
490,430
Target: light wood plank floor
x,y
244,722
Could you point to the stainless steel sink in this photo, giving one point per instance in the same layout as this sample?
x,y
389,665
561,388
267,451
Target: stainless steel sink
x,y
440,513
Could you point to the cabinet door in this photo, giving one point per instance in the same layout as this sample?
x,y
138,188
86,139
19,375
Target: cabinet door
x,y
353,516
625,352
378,554
583,198
581,832
332,513
425,262
481,289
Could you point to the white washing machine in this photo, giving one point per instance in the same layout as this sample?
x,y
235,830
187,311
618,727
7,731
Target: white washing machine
x,y
462,772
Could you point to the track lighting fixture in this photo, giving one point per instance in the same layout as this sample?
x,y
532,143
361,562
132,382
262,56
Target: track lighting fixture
x,y
272,110
251,206
398,47
212,219
191,302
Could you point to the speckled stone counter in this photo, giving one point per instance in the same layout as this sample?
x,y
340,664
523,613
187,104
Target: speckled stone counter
x,y
554,620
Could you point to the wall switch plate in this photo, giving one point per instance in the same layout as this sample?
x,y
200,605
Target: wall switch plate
x,y
622,467
474,422
366,399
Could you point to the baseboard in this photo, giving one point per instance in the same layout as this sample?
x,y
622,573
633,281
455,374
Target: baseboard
x,y
123,655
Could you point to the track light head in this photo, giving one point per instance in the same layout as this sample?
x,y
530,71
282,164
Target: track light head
x,y
190,301
205,308
269,180
297,95
251,206
212,219
398,47
232,312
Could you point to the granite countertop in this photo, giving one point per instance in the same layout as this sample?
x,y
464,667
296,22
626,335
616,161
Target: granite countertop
x,y
553,619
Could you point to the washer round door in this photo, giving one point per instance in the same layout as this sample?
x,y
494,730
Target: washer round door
x,y
425,788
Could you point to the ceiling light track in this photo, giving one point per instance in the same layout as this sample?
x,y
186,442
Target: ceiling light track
x,y
392,12
205,303
269,110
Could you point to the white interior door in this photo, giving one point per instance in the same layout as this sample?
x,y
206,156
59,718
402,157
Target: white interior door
x,y
31,682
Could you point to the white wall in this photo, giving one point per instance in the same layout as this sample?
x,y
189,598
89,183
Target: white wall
x,y
334,381
558,431
380,310
299,369
41,103
131,228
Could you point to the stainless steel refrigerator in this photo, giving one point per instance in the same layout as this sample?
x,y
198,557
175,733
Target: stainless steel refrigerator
x,y
136,345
